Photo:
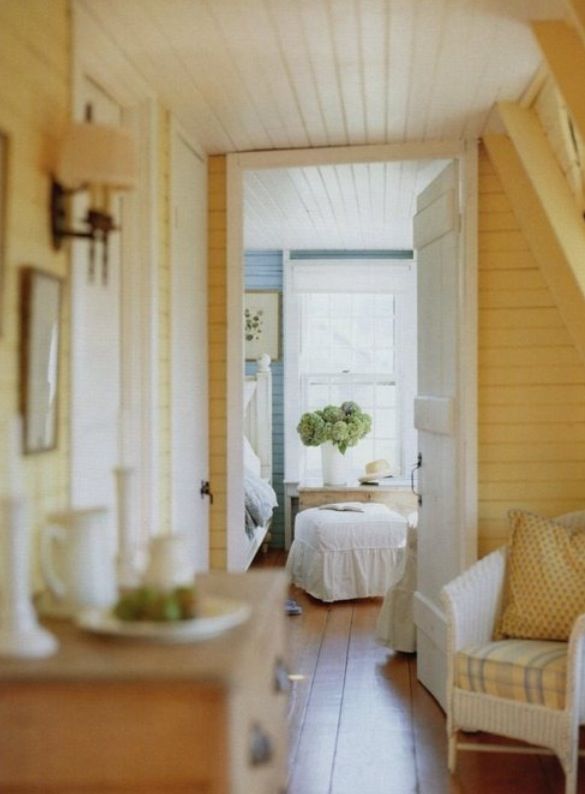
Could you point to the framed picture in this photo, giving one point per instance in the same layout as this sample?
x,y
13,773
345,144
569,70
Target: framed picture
x,y
3,193
40,342
262,324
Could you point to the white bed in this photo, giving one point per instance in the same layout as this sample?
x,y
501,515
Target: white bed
x,y
260,498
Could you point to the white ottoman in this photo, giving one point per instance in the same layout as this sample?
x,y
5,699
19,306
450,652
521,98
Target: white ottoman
x,y
337,555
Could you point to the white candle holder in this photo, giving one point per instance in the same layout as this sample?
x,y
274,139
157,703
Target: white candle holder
x,y
20,634
129,563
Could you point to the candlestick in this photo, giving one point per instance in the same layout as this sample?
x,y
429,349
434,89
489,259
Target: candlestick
x,y
20,634
129,565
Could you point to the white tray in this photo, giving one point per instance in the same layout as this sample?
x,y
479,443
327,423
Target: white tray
x,y
217,614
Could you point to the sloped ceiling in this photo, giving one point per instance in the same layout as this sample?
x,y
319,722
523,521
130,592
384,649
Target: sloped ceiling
x,y
262,74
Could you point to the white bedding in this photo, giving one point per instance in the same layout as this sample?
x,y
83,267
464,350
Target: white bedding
x,y
260,501
339,555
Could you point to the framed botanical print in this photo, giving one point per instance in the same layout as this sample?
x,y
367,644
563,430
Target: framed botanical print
x,y
262,324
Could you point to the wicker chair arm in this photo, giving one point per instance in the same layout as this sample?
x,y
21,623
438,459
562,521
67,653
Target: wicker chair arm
x,y
576,667
473,601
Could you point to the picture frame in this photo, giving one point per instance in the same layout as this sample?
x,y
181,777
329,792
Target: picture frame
x,y
262,312
3,215
39,356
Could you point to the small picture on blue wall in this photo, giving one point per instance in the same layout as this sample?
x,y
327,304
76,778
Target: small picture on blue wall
x,y
262,324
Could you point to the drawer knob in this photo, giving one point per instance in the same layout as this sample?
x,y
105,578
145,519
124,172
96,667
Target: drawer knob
x,y
261,749
281,679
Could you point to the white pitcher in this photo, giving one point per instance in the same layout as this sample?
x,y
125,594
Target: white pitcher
x,y
82,574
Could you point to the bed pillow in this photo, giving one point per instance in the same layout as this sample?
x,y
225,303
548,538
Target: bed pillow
x,y
545,578
251,460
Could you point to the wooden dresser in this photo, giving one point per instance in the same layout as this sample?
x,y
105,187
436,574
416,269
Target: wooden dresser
x,y
122,716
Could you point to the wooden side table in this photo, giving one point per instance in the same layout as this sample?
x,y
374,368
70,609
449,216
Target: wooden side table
x,y
129,717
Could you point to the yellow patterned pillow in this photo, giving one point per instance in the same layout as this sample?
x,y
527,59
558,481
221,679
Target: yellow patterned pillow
x,y
545,578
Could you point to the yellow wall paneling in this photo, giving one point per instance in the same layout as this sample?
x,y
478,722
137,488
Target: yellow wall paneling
x,y
531,396
35,63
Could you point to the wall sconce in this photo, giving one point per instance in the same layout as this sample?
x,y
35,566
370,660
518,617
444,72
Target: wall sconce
x,y
99,159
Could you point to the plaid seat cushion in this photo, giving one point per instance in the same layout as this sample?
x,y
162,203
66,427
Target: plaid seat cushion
x,y
531,671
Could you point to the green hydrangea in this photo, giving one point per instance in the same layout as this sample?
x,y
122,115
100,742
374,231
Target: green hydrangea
x,y
312,430
332,414
344,426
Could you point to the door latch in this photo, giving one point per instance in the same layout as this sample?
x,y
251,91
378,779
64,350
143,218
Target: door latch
x,y
416,466
205,490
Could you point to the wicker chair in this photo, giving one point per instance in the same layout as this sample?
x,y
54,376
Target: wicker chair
x,y
473,602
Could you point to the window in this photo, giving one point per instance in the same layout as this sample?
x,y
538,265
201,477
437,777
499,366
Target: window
x,y
353,345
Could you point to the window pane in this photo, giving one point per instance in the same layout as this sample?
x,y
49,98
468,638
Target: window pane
x,y
318,396
363,332
339,394
389,451
384,361
318,334
363,305
340,359
362,453
341,305
362,361
385,423
386,395
364,396
384,305
318,304
352,332
384,330
341,333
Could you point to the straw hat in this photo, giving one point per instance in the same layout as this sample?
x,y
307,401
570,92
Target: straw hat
x,y
376,470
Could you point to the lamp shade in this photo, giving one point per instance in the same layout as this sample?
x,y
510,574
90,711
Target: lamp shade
x,y
97,155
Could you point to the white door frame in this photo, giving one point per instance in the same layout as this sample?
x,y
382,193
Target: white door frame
x,y
97,58
237,165
178,132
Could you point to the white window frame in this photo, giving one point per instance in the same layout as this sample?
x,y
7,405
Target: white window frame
x,y
403,286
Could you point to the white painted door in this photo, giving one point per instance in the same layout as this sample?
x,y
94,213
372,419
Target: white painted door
x,y
95,350
189,410
437,411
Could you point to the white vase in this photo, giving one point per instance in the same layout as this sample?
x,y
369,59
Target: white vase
x,y
334,465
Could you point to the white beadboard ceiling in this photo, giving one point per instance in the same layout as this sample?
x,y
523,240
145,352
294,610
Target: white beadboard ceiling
x,y
243,75
246,75
360,206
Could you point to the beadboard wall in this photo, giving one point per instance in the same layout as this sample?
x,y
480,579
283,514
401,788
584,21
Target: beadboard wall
x,y
164,304
35,68
263,271
531,379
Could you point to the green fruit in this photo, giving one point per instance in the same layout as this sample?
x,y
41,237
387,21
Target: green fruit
x,y
148,603
171,609
126,608
187,598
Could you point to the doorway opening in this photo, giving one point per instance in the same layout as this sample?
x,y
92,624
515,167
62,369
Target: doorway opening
x,y
445,230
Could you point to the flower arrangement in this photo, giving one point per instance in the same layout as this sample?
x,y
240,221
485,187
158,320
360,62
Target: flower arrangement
x,y
253,321
343,426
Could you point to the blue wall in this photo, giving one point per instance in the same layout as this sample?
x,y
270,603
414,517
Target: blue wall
x,y
263,271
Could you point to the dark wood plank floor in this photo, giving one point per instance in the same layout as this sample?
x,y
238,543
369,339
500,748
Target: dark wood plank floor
x,y
360,723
